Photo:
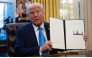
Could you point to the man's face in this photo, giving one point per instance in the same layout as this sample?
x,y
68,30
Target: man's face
x,y
36,15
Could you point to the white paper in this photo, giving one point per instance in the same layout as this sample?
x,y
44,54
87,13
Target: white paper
x,y
57,33
74,34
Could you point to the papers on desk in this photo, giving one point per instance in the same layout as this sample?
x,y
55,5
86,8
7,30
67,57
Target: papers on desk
x,y
67,34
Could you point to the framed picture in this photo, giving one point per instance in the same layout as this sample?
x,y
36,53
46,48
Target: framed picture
x,y
21,9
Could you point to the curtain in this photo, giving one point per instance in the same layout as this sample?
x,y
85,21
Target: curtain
x,y
86,14
69,9
51,8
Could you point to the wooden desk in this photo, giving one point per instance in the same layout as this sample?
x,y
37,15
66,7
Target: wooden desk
x,y
71,54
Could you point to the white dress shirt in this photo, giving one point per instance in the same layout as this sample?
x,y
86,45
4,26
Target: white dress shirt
x,y
37,31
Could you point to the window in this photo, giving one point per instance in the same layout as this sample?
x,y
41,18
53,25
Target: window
x,y
6,11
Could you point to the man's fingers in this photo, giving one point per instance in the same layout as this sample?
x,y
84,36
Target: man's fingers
x,y
85,37
48,45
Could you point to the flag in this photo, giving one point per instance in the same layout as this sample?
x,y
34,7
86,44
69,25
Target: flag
x,y
19,10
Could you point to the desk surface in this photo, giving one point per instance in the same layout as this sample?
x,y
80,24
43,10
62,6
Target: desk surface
x,y
67,55
72,54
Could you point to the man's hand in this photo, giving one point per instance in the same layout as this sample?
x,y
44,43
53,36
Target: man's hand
x,y
46,46
85,37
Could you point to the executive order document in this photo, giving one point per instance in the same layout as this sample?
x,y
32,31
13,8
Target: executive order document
x,y
67,34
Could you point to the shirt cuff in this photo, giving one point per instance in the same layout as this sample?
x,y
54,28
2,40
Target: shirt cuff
x,y
40,51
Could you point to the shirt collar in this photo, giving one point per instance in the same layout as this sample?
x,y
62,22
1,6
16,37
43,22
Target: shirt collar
x,y
42,26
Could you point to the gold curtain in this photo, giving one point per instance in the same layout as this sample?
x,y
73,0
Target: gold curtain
x,y
86,14
51,8
69,9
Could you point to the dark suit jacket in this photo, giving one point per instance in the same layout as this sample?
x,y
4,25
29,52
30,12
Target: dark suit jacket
x,y
26,41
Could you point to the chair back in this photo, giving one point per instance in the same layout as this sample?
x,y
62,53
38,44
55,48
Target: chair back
x,y
11,36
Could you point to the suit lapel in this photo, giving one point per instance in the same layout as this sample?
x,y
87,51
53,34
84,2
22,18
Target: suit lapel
x,y
46,25
32,34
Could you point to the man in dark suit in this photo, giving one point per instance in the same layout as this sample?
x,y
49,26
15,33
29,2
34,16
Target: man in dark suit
x,y
27,36
27,39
